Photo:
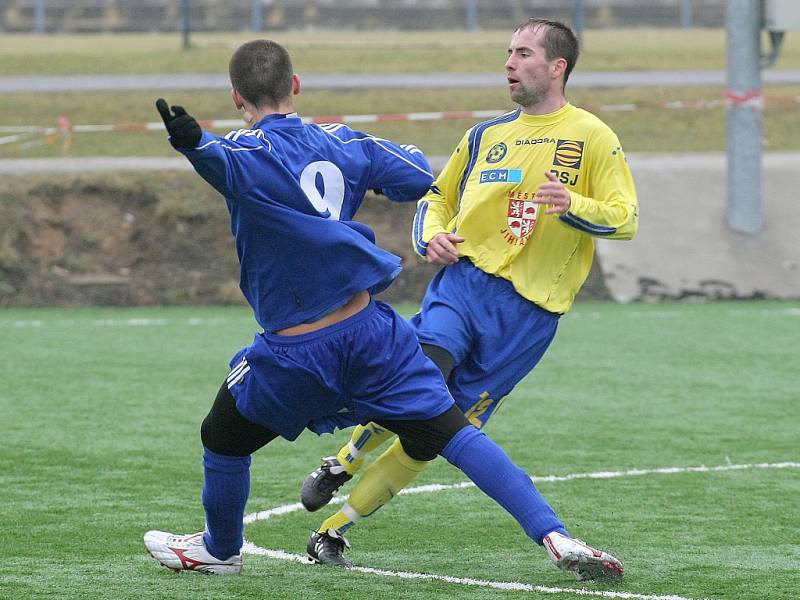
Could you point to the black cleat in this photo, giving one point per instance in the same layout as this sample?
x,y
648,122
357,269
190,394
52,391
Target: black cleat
x,y
323,483
328,548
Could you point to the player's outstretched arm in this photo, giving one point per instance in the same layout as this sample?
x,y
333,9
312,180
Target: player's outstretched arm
x,y
211,160
184,130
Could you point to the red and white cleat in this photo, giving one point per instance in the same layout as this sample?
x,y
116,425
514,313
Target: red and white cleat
x,y
188,553
587,563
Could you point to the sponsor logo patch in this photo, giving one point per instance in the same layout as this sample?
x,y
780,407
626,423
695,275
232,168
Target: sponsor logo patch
x,y
534,141
568,154
501,176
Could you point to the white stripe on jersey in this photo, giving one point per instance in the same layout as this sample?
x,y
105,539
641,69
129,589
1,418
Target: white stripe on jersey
x,y
331,127
411,148
403,158
237,369
238,372
211,143
377,140
268,148
239,378
249,149
235,135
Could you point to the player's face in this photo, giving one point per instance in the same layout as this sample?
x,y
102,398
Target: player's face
x,y
528,71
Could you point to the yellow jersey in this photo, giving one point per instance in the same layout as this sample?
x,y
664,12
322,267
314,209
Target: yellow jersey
x,y
483,194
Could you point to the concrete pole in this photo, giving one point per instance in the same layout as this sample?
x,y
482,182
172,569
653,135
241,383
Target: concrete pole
x,y
256,15
744,115
579,17
186,24
39,22
687,14
472,15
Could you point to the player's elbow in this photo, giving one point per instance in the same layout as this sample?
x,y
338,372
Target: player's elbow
x,y
420,187
629,230
410,192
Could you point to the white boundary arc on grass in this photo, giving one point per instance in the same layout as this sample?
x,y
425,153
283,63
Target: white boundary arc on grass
x,y
250,548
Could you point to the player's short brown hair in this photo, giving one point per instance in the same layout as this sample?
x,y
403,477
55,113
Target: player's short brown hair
x,y
559,41
261,71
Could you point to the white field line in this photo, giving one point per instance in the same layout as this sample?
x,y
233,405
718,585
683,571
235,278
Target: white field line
x,y
440,487
250,548
131,322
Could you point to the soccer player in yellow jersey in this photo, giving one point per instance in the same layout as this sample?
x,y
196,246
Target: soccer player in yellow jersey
x,y
512,220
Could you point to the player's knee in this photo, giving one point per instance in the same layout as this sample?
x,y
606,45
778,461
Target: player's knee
x,y
225,431
215,436
424,449
426,442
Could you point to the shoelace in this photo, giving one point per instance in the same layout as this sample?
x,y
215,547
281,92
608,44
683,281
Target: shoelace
x,y
329,484
338,544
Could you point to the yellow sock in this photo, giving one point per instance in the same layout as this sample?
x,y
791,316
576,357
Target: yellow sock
x,y
364,440
341,522
381,481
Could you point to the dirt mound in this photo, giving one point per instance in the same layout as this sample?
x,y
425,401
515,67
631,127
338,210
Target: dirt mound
x,y
131,239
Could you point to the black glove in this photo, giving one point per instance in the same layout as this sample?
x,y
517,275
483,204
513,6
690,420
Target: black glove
x,y
184,130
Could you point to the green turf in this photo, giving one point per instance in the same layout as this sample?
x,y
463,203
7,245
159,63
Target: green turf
x,y
101,410
651,128
345,51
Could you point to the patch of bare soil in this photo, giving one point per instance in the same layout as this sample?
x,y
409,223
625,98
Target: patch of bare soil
x,y
133,240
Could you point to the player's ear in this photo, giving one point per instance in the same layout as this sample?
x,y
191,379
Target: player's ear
x,y
237,99
558,67
295,84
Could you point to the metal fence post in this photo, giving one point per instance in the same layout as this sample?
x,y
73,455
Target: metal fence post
x,y
744,114
39,22
256,15
185,23
579,18
687,14
472,15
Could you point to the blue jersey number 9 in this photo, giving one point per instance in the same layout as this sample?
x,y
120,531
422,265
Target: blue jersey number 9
x,y
325,175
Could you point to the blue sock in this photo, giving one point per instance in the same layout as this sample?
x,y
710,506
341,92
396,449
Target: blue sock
x,y
490,468
225,492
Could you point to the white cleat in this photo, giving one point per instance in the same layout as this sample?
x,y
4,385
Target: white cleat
x,y
188,553
585,562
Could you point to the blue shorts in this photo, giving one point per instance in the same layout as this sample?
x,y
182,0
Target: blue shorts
x,y
496,336
368,367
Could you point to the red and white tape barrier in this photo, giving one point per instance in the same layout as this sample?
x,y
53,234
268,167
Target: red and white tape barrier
x,y
23,130
65,127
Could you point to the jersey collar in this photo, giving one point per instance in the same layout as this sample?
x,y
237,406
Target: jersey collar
x,y
547,119
276,120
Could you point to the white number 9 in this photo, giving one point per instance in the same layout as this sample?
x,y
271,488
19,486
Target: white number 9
x,y
329,203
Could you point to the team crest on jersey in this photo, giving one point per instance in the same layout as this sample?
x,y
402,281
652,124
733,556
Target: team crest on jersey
x,y
568,154
522,216
496,153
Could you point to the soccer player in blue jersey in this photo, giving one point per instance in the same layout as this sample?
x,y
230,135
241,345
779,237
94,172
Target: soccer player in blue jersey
x,y
330,355
512,219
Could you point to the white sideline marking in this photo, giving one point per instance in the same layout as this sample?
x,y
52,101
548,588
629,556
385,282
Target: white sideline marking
x,y
250,548
439,487
130,322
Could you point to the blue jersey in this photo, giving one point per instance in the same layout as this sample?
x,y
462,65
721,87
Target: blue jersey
x,y
292,190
